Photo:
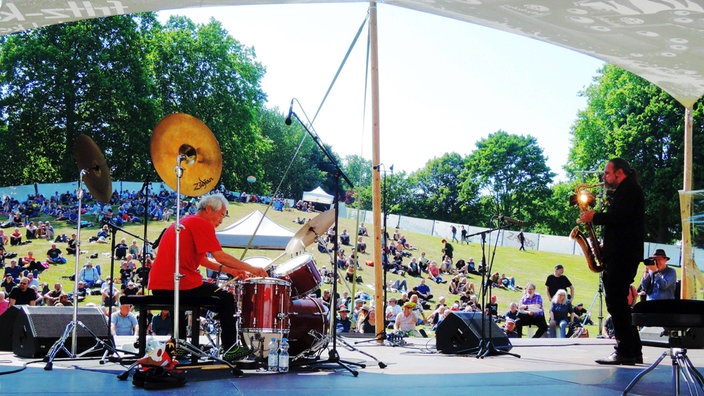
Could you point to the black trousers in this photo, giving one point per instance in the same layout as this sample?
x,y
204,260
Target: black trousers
x,y
225,309
617,280
525,319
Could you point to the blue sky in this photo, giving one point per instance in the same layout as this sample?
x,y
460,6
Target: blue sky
x,y
444,84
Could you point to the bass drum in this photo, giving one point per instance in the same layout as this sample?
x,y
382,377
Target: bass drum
x,y
306,314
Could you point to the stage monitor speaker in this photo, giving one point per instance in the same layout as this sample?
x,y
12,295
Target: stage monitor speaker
x,y
460,332
7,321
36,329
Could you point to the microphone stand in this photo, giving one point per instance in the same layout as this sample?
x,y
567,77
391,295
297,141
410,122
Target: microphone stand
x,y
486,344
333,355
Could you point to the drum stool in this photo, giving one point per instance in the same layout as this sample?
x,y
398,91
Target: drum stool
x,y
677,317
145,303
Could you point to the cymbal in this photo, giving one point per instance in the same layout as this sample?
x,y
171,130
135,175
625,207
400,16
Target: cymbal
x,y
183,139
308,234
92,164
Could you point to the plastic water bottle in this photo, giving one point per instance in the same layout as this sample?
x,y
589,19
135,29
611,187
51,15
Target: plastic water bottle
x,y
273,360
283,356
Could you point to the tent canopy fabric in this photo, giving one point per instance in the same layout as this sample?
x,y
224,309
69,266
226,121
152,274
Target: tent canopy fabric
x,y
657,40
269,235
318,195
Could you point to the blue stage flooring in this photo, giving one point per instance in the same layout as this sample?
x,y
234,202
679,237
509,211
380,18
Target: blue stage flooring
x,y
550,367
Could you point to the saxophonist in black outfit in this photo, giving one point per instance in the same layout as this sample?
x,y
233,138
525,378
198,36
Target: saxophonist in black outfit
x,y
622,251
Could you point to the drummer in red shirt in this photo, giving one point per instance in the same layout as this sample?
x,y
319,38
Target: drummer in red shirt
x,y
197,240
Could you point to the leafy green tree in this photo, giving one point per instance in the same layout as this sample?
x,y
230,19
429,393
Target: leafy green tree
x,y
435,190
288,157
511,172
631,118
202,71
84,77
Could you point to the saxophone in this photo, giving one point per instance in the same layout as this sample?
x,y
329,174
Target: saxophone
x,y
589,243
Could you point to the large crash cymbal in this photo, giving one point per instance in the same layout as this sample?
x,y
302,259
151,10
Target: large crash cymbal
x,y
183,139
308,234
91,163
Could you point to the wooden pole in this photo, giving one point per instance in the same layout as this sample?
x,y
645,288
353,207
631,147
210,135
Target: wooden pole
x,y
688,289
376,179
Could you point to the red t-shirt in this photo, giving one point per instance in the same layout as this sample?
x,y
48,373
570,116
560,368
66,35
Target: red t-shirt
x,y
161,276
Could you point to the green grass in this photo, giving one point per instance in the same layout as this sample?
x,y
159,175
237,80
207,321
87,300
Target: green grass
x,y
525,266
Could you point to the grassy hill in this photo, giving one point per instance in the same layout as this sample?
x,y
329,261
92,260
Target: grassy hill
x,y
525,266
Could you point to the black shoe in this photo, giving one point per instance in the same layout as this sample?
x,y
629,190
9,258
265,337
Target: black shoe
x,y
639,359
616,359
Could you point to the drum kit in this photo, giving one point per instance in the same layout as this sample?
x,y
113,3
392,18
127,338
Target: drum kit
x,y
271,307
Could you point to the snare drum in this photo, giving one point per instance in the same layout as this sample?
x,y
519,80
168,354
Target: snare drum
x,y
302,274
264,305
306,314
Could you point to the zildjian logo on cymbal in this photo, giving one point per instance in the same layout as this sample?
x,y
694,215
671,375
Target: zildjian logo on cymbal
x,y
202,183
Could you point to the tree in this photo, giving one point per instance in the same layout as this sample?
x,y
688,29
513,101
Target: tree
x,y
288,158
201,70
511,172
631,118
435,190
60,81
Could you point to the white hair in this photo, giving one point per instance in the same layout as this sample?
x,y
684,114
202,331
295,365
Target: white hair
x,y
215,202
556,297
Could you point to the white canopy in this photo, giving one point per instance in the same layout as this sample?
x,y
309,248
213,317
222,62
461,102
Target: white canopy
x,y
657,40
269,235
318,195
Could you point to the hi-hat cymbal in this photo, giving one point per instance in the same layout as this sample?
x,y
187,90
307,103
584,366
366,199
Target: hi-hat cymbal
x,y
308,234
92,164
183,139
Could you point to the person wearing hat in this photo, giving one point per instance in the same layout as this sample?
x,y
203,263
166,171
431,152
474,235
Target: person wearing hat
x,y
407,319
90,275
557,281
622,250
343,322
659,281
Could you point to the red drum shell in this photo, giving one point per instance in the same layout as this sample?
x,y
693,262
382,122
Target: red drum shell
x,y
306,314
302,274
264,304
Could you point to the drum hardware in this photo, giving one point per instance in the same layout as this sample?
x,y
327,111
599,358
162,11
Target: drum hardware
x,y
93,171
188,141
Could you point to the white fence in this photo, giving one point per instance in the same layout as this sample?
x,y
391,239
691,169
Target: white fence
x,y
507,238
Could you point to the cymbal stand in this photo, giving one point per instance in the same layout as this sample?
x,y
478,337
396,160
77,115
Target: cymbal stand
x,y
187,154
71,328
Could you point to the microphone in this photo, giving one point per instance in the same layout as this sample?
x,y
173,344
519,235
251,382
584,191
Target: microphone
x,y
376,167
290,113
509,220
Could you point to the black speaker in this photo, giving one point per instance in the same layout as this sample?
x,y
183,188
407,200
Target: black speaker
x,y
460,332
36,329
7,321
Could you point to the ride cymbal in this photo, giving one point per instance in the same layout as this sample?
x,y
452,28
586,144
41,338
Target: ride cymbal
x,y
308,234
185,140
91,163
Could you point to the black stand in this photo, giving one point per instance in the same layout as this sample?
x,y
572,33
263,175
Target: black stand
x,y
681,365
333,356
486,344
600,295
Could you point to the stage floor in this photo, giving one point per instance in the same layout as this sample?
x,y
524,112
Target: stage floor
x,y
545,366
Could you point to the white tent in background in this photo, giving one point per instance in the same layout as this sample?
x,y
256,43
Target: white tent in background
x,y
269,235
318,195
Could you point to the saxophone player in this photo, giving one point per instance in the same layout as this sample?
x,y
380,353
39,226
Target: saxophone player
x,y
622,251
